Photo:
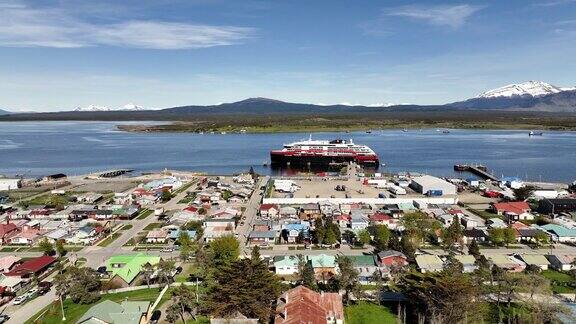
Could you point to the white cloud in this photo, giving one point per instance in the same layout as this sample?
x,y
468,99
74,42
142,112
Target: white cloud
x,y
444,15
553,3
29,27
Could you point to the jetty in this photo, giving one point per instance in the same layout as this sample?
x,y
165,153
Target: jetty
x,y
477,169
111,173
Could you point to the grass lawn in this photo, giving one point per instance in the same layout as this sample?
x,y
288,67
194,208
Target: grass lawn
x,y
187,269
107,241
126,227
560,282
368,313
152,226
75,311
144,213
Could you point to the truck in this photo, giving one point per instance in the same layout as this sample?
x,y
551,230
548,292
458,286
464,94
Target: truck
x,y
397,190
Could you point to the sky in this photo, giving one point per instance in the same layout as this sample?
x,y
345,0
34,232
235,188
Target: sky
x,y
59,55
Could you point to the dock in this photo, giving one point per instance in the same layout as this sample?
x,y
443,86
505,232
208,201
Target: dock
x,y
477,169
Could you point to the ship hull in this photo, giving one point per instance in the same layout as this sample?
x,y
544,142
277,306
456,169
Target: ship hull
x,y
279,159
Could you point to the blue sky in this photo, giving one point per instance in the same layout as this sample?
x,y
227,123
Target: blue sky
x,y
57,55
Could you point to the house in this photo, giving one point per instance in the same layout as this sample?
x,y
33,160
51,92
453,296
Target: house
x,y
11,284
561,262
286,265
535,259
215,227
446,220
310,211
124,268
469,222
324,265
291,231
380,218
514,207
269,210
496,223
475,234
366,267
303,305
262,237
32,267
7,231
109,312
391,258
506,262
557,206
157,236
28,236
9,184
358,221
8,262
174,235
560,233
57,234
343,220
288,212
468,263
429,263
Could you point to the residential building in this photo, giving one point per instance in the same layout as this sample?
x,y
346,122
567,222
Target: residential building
x,y
124,269
269,210
302,305
506,262
109,312
429,263
468,263
535,259
262,237
380,218
8,262
557,206
366,266
358,221
157,236
560,233
561,262
324,265
286,265
7,184
32,267
7,231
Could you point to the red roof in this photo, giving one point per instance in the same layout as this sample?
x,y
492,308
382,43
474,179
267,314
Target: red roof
x,y
268,206
380,217
516,207
7,228
455,212
32,266
191,209
304,305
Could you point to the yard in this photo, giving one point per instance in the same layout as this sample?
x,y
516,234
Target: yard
x,y
107,241
152,226
368,313
560,282
53,314
144,213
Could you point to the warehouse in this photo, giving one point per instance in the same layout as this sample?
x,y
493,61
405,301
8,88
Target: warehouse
x,y
432,186
9,184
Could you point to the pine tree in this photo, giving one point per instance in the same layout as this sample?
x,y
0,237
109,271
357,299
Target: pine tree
x,y
474,249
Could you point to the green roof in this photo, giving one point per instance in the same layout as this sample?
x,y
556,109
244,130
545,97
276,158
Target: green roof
x,y
128,266
129,312
561,231
286,261
322,260
362,260
537,259
465,259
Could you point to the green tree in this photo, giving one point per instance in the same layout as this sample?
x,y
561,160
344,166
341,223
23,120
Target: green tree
x,y
306,274
364,237
509,236
453,234
223,251
194,226
348,278
46,247
329,237
81,284
166,195
349,237
183,302
541,238
523,193
496,236
166,270
381,235
255,254
147,272
474,249
60,249
245,286
186,245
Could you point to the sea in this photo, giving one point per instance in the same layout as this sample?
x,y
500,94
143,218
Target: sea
x,y
33,149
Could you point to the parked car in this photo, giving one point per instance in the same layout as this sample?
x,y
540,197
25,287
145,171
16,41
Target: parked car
x,y
20,300
31,293
4,318
44,287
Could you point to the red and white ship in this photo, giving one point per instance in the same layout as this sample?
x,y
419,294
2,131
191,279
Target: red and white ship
x,y
324,153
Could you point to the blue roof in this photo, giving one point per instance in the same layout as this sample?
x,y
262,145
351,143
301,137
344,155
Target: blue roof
x,y
560,231
297,227
175,234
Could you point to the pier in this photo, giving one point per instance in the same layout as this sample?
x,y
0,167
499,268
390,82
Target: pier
x,y
477,169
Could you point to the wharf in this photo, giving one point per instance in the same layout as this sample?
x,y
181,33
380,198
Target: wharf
x,y
477,169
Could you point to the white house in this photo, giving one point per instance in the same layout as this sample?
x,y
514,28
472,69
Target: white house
x,y
9,184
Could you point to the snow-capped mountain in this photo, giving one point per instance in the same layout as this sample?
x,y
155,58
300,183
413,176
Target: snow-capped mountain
x,y
126,107
531,95
530,88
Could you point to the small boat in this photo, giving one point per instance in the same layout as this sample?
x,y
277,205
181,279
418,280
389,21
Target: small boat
x,y
532,133
368,132
405,130
445,131
383,164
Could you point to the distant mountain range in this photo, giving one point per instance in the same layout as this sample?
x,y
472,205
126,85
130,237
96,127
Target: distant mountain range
x,y
4,112
531,96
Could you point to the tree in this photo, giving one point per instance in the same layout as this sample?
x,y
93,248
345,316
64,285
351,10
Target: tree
x,y
223,251
166,270
541,238
381,235
194,226
474,249
60,249
347,278
306,274
81,284
452,265
255,254
364,237
186,245
496,236
453,234
509,236
166,195
147,272
244,286
183,302
523,193
443,297
329,237
46,247
349,237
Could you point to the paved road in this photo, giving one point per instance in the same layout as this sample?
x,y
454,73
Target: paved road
x,y
250,215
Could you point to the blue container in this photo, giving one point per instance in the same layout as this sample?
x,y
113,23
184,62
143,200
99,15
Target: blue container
x,y
434,193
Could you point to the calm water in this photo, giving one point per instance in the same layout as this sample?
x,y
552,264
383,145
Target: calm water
x,y
39,148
